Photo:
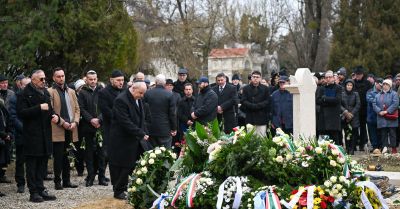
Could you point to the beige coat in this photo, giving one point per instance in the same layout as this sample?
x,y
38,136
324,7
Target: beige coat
x,y
58,134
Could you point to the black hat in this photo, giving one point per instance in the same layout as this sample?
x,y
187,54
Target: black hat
x,y
341,71
169,81
116,73
182,71
379,80
358,70
283,78
319,75
3,78
202,79
147,81
19,77
235,77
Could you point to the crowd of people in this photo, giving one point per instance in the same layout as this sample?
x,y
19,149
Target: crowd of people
x,y
87,124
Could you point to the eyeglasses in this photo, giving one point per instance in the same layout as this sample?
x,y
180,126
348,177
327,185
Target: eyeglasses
x,y
42,79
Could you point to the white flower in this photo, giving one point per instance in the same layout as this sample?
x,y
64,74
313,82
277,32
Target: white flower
x,y
335,191
318,150
342,179
304,164
249,127
151,161
249,205
162,149
138,172
328,183
333,179
139,181
152,155
338,186
332,163
143,162
347,182
335,152
173,155
341,160
277,139
301,149
279,159
289,156
157,152
144,170
353,163
132,189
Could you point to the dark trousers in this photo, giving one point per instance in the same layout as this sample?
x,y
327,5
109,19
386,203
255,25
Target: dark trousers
x,y
94,158
229,121
351,141
19,165
388,137
80,157
363,133
373,135
119,178
158,141
36,169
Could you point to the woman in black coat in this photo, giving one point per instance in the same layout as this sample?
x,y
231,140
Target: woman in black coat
x,y
350,115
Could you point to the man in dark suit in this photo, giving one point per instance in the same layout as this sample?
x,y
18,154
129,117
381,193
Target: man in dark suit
x,y
163,115
127,128
35,110
227,98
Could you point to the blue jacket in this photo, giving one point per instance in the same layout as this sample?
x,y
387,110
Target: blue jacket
x,y
391,101
371,114
282,109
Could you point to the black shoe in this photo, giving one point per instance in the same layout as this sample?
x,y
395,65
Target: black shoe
x,y
5,180
69,185
35,197
120,196
58,186
21,189
103,183
48,178
106,179
80,173
46,196
89,183
2,194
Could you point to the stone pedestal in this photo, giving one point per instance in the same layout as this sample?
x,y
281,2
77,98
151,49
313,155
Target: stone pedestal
x,y
303,88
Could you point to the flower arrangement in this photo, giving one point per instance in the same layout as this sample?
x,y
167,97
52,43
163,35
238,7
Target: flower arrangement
x,y
310,196
152,173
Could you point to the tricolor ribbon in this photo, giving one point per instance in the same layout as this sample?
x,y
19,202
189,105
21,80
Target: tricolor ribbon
x,y
180,187
296,198
340,149
289,143
364,198
238,194
346,170
191,190
267,200
159,203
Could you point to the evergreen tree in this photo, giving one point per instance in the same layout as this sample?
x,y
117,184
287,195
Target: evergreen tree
x,y
76,35
367,33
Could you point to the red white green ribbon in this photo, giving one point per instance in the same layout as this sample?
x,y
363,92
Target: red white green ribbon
x,y
272,201
346,170
180,187
340,149
289,143
191,190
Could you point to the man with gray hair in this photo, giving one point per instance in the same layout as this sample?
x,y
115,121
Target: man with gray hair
x,y
163,115
329,98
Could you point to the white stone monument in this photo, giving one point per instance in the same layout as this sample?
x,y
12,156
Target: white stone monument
x,y
303,88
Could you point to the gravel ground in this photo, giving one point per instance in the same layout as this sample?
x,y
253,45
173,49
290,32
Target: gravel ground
x,y
67,198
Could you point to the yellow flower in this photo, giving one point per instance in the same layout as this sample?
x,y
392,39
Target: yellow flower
x,y
304,208
295,207
315,207
317,201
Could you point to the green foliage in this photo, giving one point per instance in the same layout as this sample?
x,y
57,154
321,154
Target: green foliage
x,y
76,35
367,33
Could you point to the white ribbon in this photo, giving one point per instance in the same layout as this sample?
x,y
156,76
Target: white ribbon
x,y
364,197
294,201
159,202
310,197
238,194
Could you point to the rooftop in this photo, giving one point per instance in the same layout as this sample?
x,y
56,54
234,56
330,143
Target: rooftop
x,y
231,52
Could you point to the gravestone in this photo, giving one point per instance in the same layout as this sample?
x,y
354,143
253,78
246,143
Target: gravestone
x,y
303,88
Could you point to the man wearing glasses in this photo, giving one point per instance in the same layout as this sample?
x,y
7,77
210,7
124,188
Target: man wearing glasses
x,y
255,103
35,110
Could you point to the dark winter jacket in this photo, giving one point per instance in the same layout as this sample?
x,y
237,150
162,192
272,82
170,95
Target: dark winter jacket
x,y
15,120
282,109
205,105
88,104
36,122
371,114
351,103
179,87
227,99
329,99
255,102
362,86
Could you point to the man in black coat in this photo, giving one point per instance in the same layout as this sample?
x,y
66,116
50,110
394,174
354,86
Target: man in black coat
x,y
255,103
362,85
179,85
204,109
329,99
128,129
227,99
89,127
163,114
184,108
35,110
106,101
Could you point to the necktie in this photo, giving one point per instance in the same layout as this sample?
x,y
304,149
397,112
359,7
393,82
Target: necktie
x,y
220,89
